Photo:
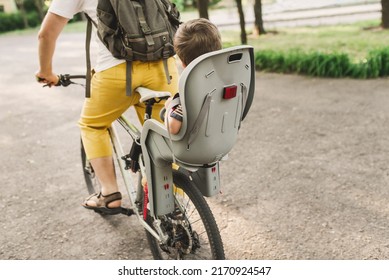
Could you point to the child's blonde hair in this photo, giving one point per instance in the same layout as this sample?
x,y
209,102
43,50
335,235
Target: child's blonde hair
x,y
196,37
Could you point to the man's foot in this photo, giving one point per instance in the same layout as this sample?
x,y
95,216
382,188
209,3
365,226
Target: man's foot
x,y
108,204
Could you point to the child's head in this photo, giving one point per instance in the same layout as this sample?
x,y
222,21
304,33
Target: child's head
x,y
196,37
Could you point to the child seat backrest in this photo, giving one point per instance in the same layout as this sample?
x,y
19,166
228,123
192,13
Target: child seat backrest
x,y
216,92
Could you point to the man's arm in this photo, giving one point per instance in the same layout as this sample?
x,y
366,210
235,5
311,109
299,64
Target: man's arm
x,y
51,27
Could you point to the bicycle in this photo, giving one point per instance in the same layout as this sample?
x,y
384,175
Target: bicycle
x,y
190,231
171,206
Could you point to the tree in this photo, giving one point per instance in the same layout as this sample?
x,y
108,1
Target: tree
x,y
202,6
20,4
258,17
40,4
243,35
385,14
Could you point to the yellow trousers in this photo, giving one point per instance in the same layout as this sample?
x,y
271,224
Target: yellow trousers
x,y
109,100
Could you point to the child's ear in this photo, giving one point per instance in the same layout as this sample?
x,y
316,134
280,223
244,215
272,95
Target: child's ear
x,y
183,64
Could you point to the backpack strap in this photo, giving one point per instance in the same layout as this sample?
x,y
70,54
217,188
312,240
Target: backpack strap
x,y
87,50
145,28
149,38
165,66
150,44
128,77
165,11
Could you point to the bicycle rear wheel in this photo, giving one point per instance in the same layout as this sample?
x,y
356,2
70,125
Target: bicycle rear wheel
x,y
192,229
91,181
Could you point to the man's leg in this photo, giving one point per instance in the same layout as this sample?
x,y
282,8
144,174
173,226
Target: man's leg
x,y
107,102
105,172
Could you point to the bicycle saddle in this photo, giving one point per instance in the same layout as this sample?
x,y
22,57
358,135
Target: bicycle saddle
x,y
147,94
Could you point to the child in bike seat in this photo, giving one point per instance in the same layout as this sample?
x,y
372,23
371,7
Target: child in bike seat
x,y
193,38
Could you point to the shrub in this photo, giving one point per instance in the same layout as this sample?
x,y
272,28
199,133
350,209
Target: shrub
x,y
381,58
10,22
320,64
33,19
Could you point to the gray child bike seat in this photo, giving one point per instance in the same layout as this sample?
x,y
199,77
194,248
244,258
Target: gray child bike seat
x,y
216,92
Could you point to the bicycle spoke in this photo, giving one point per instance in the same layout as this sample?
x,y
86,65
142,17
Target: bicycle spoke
x,y
193,233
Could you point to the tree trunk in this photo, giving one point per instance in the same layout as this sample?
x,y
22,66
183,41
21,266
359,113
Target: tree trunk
x,y
202,6
40,4
243,35
20,4
258,17
385,14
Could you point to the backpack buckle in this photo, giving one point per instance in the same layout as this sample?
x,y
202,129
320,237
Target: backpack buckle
x,y
145,28
166,52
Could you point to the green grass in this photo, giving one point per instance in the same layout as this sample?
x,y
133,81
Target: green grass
x,y
355,40
358,50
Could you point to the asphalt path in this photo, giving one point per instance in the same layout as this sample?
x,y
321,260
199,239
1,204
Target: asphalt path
x,y
307,179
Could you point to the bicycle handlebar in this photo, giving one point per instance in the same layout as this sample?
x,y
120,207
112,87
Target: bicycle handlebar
x,y
65,79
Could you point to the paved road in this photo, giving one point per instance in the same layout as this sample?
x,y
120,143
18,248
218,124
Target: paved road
x,y
307,180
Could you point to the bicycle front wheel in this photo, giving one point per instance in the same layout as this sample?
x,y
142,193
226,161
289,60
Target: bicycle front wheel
x,y
191,229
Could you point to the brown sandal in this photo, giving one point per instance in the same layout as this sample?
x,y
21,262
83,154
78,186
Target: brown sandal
x,y
102,202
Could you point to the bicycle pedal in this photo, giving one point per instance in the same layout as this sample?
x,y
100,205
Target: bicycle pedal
x,y
127,211
116,211
99,212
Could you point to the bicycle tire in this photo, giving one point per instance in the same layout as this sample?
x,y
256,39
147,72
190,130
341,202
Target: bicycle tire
x,y
206,244
92,184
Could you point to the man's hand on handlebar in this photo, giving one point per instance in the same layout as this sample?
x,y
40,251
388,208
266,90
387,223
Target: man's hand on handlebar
x,y
49,80
59,80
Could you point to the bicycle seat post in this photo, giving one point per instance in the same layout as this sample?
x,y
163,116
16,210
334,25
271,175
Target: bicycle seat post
x,y
149,108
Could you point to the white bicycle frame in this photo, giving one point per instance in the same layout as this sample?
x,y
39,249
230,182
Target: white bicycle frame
x,y
132,189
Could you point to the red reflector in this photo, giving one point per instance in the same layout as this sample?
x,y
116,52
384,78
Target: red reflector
x,y
230,92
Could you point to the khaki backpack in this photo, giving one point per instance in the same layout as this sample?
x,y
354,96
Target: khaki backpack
x,y
136,30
